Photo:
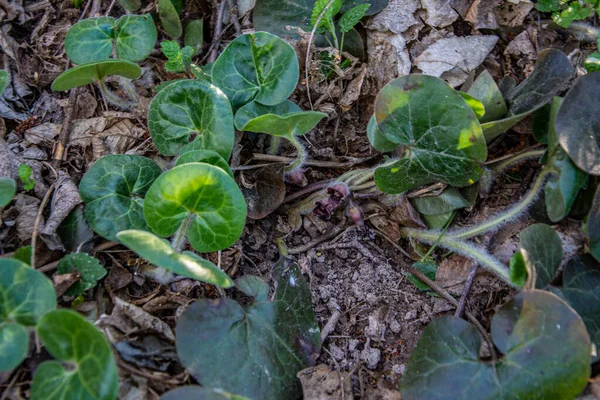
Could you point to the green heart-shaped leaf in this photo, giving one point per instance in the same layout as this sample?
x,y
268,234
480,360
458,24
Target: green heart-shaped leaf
x,y
440,132
285,119
593,226
204,156
14,340
577,124
485,90
203,196
88,267
199,393
115,186
25,296
377,139
93,38
266,343
95,71
160,253
8,188
542,252
191,106
545,346
71,339
552,72
258,66
169,18
581,289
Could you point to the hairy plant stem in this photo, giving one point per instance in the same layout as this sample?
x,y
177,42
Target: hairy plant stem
x,y
112,98
274,145
180,238
517,158
300,157
461,247
506,216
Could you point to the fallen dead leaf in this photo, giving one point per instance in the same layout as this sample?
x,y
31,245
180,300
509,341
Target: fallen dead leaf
x,y
143,319
323,383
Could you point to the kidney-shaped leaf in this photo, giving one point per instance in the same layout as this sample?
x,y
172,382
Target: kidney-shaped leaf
x,y
204,156
442,137
71,339
25,296
256,66
266,343
95,71
202,196
581,288
88,267
545,346
160,253
578,126
191,106
92,39
113,191
542,252
285,119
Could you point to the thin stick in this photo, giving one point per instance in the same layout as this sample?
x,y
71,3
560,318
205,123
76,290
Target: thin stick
x,y
233,9
467,289
218,30
312,163
36,225
307,190
65,131
110,7
305,247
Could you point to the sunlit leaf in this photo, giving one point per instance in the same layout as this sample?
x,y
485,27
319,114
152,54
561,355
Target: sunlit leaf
x,y
485,90
95,71
204,156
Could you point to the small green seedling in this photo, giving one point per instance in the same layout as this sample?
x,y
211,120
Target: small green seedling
x,y
258,66
3,80
178,111
131,37
565,12
285,120
545,354
180,60
346,22
90,371
115,186
25,174
169,18
8,188
272,340
27,295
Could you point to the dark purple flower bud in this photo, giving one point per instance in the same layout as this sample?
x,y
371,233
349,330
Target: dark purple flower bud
x,y
297,177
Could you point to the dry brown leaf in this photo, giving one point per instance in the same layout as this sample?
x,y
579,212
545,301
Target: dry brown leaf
x,y
512,13
353,90
62,282
439,13
143,319
453,272
323,383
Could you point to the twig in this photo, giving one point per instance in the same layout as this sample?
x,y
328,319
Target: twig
x,y
307,190
308,50
467,289
63,137
110,7
330,325
313,163
332,233
218,30
85,10
233,14
96,6
38,218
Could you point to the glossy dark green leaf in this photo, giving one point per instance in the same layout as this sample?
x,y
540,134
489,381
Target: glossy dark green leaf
x,y
92,39
593,226
518,269
449,200
199,393
92,372
542,122
88,267
552,72
203,196
75,233
160,253
442,138
376,138
27,294
187,107
194,35
258,66
266,343
8,188
542,252
285,119
485,90
204,156
577,124
95,71
3,80
546,355
23,254
581,288
115,186
428,268
169,18
14,340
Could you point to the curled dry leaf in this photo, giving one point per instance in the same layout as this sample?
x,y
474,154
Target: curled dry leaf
x,y
144,319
